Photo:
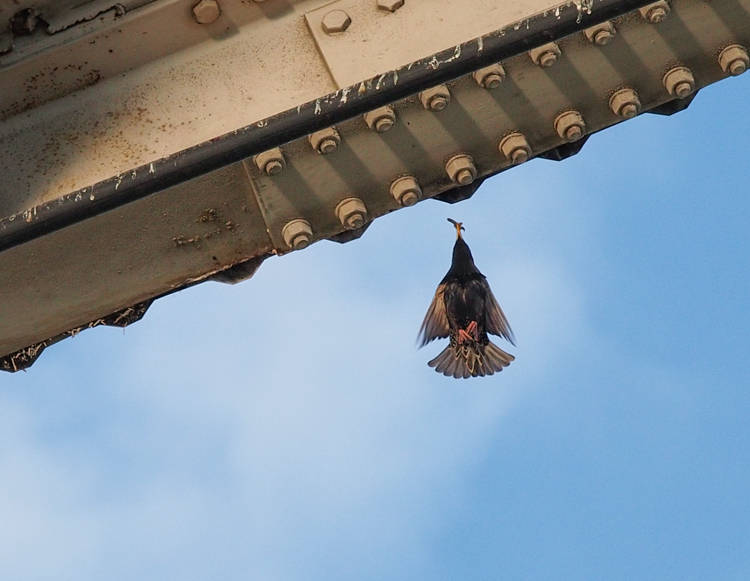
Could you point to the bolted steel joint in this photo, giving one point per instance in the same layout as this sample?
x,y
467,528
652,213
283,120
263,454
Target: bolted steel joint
x,y
679,82
656,12
515,148
625,103
335,21
570,126
325,141
600,34
390,5
270,162
352,213
734,59
461,169
406,190
546,55
435,99
297,234
206,11
381,120
490,77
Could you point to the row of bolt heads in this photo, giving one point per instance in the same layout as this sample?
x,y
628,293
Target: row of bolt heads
x,y
461,169
208,11
337,21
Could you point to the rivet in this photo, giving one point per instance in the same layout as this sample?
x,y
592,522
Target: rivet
x,y
600,34
490,77
297,234
406,190
679,82
546,55
515,147
390,5
656,12
461,169
734,60
381,119
335,21
325,141
570,126
436,98
206,11
625,103
270,162
352,213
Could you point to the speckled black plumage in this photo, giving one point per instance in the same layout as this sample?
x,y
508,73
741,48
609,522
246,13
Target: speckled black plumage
x,y
465,310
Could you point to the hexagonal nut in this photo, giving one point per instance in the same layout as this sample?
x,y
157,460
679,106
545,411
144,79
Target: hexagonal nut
x,y
325,141
515,147
461,169
625,103
390,5
600,34
352,213
406,190
570,126
734,60
435,99
206,11
270,162
656,12
679,82
297,234
381,119
490,77
335,21
546,55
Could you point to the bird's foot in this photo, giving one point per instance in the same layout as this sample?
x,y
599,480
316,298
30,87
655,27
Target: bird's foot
x,y
464,337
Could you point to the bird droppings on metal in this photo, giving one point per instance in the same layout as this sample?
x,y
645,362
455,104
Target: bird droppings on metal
x,y
24,358
383,157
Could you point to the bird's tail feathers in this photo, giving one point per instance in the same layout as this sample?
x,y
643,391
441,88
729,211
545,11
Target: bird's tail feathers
x,y
471,360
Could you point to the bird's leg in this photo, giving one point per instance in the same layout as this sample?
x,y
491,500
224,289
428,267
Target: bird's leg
x,y
464,337
472,328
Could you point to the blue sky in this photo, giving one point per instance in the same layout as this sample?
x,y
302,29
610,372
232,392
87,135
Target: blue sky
x,y
287,428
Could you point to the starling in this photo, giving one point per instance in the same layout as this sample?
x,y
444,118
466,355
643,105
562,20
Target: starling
x,y
465,310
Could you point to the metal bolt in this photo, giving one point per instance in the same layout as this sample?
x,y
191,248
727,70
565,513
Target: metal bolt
x,y
600,34
461,169
490,77
335,21
435,99
297,234
270,162
545,55
381,119
625,103
679,82
570,126
325,141
656,12
734,60
515,147
390,5
406,190
206,11
352,213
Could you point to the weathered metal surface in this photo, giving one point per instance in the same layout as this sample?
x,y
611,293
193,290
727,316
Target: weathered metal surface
x,y
70,260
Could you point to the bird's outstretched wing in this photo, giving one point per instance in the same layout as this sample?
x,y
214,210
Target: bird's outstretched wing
x,y
496,323
435,324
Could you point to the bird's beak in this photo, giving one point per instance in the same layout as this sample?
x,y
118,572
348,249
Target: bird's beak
x,y
459,226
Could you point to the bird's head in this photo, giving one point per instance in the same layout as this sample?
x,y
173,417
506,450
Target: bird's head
x,y
459,226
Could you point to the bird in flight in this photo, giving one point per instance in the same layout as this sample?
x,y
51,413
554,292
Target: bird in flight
x,y
465,310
